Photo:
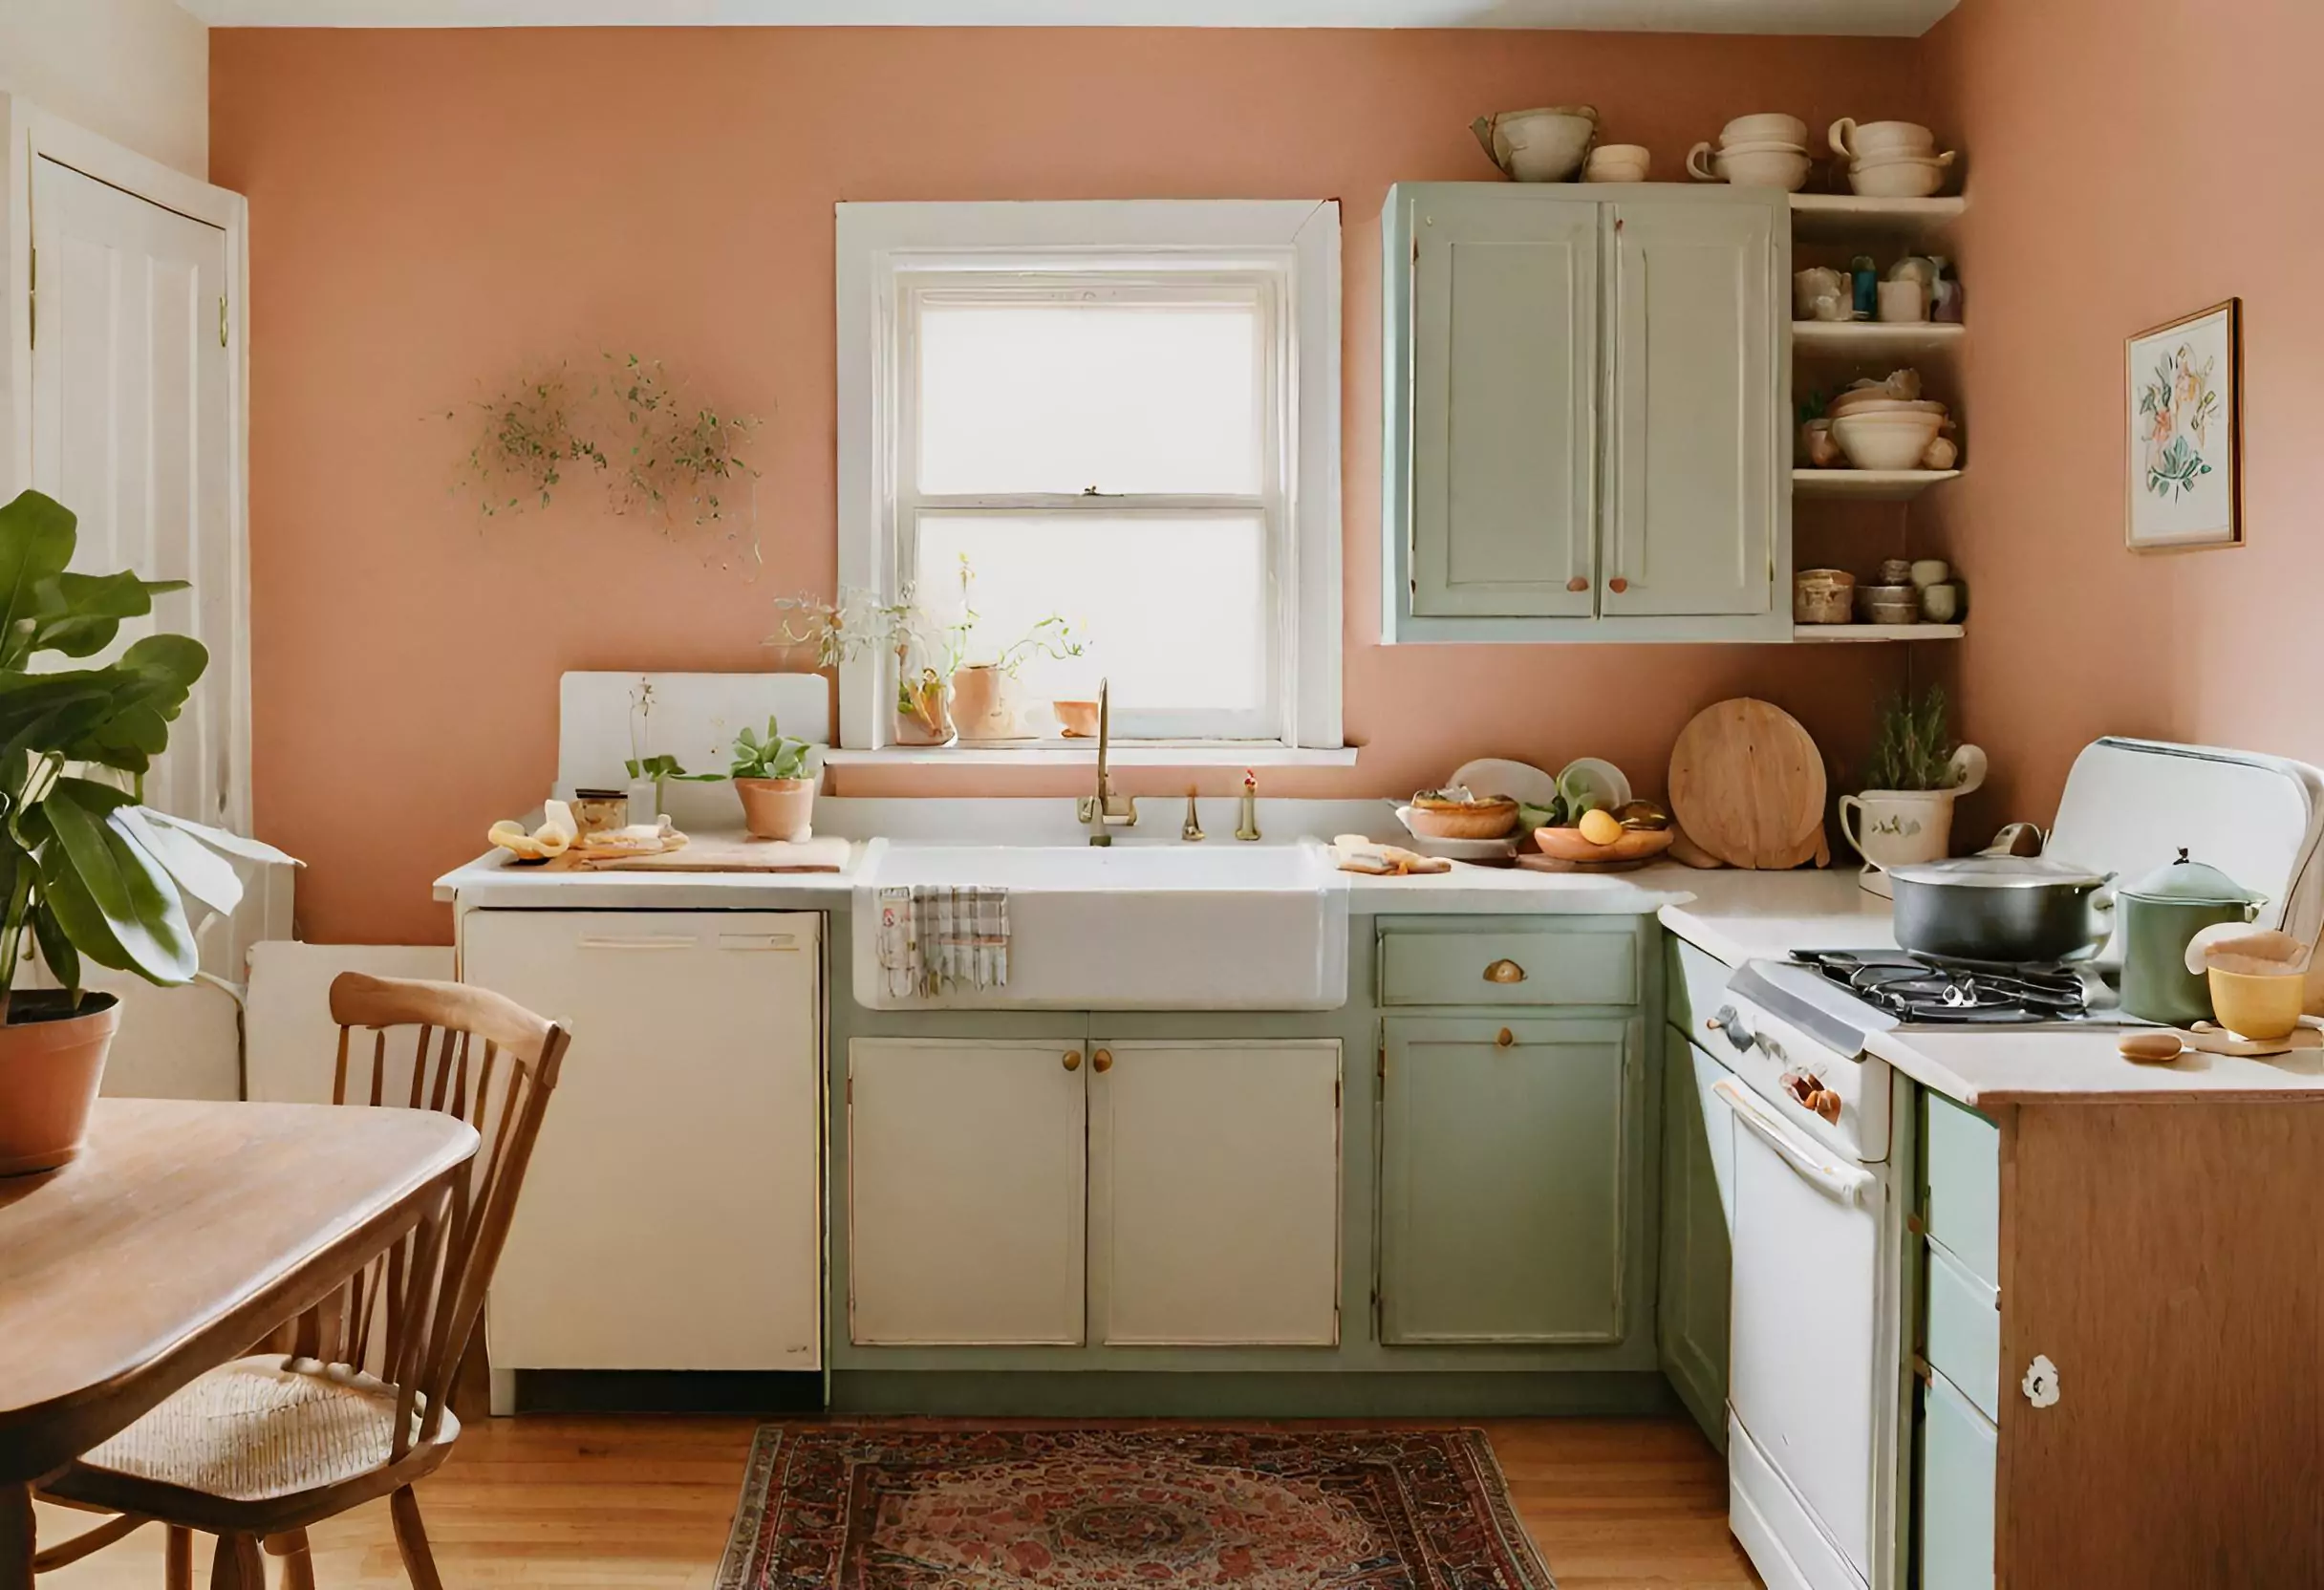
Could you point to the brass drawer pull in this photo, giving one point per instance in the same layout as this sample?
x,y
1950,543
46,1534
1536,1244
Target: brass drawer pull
x,y
1073,1059
1102,1061
1504,970
1504,1038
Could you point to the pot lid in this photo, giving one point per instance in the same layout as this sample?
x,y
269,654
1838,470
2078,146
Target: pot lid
x,y
2000,872
2185,882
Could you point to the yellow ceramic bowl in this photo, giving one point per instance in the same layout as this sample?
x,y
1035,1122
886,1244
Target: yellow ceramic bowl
x,y
2257,1007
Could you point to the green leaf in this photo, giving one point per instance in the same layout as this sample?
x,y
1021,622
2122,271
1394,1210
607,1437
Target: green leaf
x,y
56,949
201,873
36,540
116,901
79,614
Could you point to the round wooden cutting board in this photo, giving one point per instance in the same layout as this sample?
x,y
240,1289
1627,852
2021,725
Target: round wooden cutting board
x,y
1747,785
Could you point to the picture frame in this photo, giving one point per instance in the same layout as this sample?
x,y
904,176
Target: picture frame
x,y
2183,398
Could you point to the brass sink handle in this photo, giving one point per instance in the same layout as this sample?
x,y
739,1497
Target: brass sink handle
x,y
1504,970
1102,1061
1073,1059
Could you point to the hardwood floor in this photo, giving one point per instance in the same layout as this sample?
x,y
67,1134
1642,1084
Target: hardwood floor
x,y
643,1503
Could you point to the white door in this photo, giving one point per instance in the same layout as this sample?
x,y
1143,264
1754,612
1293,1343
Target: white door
x,y
132,431
1806,1315
672,1218
1696,451
1215,1192
1504,403
966,1217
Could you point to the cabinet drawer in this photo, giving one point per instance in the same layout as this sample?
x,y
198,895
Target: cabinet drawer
x,y
1958,1446
1963,1330
1694,983
1537,966
1963,1208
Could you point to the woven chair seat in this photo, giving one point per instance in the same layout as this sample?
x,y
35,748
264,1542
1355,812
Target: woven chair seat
x,y
262,1428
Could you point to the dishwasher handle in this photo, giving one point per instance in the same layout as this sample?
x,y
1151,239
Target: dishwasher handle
x,y
1845,1182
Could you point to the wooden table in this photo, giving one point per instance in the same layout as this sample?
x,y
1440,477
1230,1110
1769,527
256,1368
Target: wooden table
x,y
183,1233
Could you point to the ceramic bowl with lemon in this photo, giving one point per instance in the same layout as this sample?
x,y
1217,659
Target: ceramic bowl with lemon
x,y
1632,834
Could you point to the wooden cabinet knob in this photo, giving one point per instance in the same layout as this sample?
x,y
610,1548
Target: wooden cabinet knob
x,y
1504,970
1503,1039
1618,585
1073,1059
1577,583
1102,1061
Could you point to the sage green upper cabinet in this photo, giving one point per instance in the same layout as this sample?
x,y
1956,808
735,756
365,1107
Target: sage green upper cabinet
x,y
1504,399
1692,449
1587,398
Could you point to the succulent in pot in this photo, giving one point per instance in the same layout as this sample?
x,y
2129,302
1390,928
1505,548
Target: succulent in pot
x,y
89,875
776,779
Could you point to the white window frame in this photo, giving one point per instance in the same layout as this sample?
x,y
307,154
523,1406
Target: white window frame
x,y
891,256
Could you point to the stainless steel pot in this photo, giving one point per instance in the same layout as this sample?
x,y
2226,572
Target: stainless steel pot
x,y
2009,909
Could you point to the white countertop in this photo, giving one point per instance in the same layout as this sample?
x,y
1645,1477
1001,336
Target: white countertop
x,y
492,881
1738,917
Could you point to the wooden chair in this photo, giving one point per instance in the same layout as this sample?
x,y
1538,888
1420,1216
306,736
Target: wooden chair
x,y
261,1449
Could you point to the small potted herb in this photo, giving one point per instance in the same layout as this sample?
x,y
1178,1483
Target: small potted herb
x,y
776,779
1914,775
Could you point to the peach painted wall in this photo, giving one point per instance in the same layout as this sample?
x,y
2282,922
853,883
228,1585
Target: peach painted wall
x,y
430,208
2131,161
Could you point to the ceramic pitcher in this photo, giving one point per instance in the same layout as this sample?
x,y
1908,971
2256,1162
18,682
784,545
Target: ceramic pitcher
x,y
1895,827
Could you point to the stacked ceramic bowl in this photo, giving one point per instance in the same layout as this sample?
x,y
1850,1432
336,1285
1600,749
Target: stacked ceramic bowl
x,y
1890,160
1767,150
1889,425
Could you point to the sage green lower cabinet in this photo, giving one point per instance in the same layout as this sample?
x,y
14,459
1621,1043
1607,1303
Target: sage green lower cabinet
x,y
1697,1258
1504,1146
1957,1455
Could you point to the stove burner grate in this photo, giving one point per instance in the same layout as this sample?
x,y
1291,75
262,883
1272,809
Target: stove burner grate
x,y
1922,988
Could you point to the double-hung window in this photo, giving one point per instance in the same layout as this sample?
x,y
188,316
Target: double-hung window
x,y
1123,416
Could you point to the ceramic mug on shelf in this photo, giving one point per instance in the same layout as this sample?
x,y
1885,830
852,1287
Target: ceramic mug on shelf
x,y
1817,282
1902,302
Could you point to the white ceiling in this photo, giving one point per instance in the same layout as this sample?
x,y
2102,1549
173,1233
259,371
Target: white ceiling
x,y
1902,18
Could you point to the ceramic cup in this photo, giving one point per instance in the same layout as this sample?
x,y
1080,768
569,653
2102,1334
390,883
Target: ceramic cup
x,y
1817,281
1902,302
1617,162
1941,602
1928,571
1896,828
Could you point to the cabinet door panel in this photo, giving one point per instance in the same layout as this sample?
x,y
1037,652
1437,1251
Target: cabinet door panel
x,y
965,1192
1502,1177
1215,1212
1958,1469
1697,440
672,1214
1504,393
1697,1258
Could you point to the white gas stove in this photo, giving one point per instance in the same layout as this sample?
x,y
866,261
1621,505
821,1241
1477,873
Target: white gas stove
x,y
1820,1178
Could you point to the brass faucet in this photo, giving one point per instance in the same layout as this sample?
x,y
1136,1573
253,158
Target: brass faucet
x,y
1105,809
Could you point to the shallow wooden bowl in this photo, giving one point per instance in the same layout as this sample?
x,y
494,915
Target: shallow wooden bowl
x,y
1635,845
1474,820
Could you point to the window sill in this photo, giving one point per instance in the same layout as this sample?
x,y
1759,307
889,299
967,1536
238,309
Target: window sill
x,y
1080,753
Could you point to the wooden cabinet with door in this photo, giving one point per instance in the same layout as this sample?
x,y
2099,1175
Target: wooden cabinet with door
x,y
1040,1191
1505,1169
1697,1249
1587,413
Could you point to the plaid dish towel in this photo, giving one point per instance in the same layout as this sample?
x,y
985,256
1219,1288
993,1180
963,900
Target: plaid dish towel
x,y
939,939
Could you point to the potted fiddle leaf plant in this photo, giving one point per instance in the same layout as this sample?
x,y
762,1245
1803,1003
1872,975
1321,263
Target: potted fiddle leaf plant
x,y
87,873
776,779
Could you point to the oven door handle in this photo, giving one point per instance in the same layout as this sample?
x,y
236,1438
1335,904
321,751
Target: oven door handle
x,y
1845,1182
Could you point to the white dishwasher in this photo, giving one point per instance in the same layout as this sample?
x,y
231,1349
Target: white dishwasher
x,y
672,1218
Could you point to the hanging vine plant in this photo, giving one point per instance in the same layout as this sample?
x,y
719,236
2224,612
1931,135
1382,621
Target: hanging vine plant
x,y
528,437
681,467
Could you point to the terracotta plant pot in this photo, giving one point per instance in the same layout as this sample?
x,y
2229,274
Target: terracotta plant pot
x,y
777,808
981,707
49,1065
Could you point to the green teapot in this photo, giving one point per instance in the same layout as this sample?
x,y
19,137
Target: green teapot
x,y
2157,916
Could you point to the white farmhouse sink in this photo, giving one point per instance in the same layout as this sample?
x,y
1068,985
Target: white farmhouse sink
x,y
1157,926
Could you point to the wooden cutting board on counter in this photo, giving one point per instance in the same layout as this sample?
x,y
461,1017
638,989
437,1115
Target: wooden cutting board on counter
x,y
1747,785
722,854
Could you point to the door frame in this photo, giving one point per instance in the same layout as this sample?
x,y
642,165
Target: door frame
x,y
33,134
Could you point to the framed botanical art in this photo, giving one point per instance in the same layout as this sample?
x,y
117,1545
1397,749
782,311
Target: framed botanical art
x,y
2187,432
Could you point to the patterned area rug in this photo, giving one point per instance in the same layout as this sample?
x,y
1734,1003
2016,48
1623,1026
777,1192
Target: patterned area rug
x,y
942,1508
